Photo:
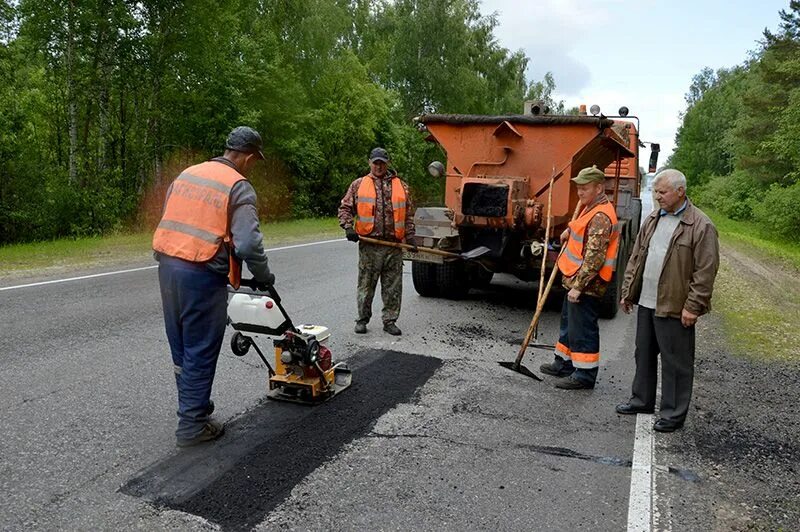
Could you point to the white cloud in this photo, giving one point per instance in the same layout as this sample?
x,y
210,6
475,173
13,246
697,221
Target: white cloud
x,y
593,59
548,32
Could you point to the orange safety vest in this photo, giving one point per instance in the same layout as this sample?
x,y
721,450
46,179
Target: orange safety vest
x,y
195,222
365,207
571,259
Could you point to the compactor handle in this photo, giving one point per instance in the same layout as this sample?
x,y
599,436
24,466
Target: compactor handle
x,y
261,287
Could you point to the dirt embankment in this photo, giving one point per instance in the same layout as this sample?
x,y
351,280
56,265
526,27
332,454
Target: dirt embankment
x,y
741,444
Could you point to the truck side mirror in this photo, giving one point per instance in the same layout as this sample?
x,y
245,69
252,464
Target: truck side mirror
x,y
654,149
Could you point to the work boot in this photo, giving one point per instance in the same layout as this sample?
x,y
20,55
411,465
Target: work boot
x,y
556,369
211,431
570,383
361,327
392,329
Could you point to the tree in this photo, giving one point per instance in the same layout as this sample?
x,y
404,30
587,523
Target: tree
x,y
703,141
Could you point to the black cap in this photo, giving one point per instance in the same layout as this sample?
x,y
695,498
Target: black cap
x,y
378,154
246,140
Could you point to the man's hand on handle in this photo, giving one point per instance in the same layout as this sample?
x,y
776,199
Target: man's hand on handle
x,y
414,248
264,286
351,234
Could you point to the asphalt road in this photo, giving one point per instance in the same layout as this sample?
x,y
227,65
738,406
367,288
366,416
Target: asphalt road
x,y
435,434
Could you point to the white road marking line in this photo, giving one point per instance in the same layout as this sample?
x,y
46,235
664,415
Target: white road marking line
x,y
151,267
640,501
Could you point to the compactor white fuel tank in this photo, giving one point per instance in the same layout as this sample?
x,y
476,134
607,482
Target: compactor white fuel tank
x,y
260,311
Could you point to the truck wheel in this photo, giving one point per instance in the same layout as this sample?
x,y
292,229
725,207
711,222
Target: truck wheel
x,y
610,302
479,277
424,276
452,277
636,217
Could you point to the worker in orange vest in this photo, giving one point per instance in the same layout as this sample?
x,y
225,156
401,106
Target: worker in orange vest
x,y
209,225
587,265
378,205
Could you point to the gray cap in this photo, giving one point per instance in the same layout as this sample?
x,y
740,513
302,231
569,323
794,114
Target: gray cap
x,y
589,175
378,154
246,140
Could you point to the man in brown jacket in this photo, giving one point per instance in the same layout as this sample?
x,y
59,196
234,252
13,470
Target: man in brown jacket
x,y
670,275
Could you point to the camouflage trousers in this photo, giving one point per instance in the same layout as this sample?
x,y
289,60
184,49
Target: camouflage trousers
x,y
384,263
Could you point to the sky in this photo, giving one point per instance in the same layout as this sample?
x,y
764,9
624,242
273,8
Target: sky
x,y
638,53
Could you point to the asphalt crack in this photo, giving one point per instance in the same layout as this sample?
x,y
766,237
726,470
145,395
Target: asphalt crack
x,y
540,449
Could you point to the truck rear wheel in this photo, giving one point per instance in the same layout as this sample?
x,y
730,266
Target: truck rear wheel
x,y
610,302
479,277
452,277
423,274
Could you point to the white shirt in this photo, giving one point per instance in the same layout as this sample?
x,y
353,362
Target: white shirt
x,y
656,252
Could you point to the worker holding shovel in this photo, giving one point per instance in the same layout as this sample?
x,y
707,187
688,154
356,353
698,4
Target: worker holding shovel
x,y
379,206
586,265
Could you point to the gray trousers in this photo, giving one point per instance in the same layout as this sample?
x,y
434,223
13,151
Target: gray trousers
x,y
675,342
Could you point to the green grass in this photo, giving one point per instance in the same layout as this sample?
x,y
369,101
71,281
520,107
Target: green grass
x,y
752,238
125,247
759,308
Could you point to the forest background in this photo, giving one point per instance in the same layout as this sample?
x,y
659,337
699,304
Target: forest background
x,y
103,102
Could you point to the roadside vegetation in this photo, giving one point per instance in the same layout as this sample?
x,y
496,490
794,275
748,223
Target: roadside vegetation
x,y
69,253
103,103
739,146
739,143
758,292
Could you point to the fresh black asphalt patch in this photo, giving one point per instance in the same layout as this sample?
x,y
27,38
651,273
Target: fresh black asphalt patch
x,y
238,480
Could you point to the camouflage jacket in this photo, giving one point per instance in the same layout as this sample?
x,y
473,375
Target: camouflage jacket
x,y
598,235
384,217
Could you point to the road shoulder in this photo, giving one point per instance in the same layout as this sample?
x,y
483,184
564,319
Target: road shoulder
x,y
734,466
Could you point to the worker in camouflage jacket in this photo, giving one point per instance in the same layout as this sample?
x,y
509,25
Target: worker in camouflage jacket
x,y
378,205
587,266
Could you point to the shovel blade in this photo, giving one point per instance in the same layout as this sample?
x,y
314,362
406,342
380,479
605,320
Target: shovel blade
x,y
475,253
522,370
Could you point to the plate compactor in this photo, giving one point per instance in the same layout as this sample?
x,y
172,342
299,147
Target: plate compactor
x,y
304,370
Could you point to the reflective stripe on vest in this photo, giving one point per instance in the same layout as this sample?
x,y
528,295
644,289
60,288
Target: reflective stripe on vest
x,y
366,205
571,260
195,220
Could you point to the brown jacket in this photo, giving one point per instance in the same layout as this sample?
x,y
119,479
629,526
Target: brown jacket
x,y
690,265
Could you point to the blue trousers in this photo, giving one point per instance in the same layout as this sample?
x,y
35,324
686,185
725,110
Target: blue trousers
x,y
578,347
195,315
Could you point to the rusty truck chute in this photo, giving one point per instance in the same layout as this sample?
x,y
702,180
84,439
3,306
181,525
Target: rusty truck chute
x,y
498,173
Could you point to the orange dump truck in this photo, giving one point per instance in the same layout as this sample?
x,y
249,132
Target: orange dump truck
x,y
498,175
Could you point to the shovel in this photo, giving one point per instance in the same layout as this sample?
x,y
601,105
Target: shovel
x,y
517,364
468,255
